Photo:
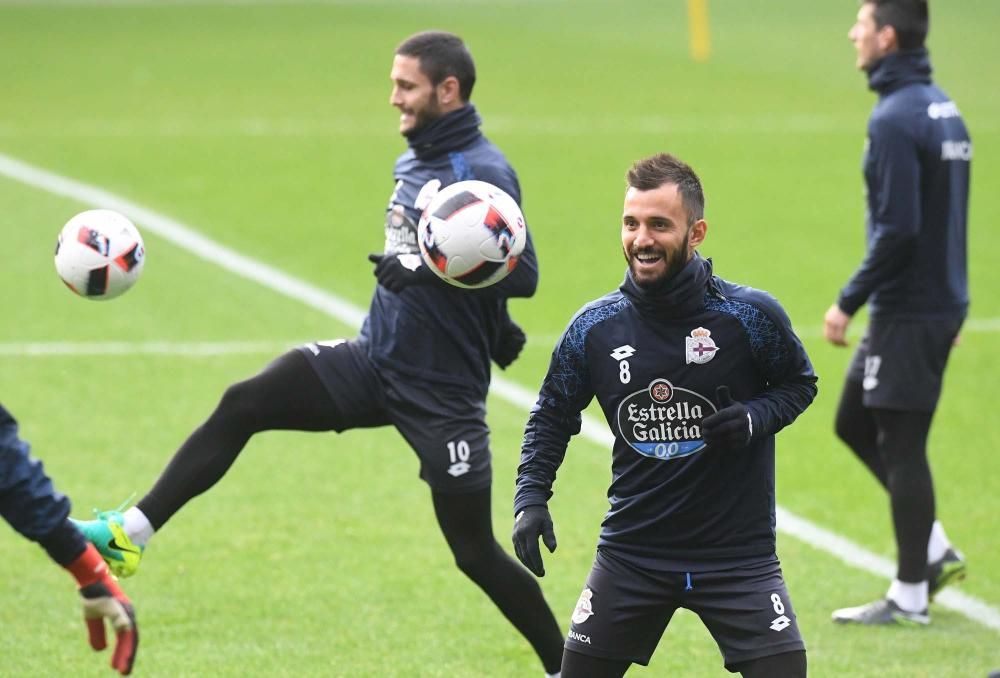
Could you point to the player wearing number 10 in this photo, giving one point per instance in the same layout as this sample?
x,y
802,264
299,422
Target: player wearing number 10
x,y
421,362
692,520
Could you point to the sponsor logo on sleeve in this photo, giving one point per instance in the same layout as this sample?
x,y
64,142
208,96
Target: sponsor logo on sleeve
x,y
956,150
940,110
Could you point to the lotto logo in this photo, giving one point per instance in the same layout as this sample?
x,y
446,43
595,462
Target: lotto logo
x,y
459,468
781,622
623,352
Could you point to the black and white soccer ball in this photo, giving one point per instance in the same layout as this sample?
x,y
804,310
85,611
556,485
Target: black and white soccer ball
x,y
99,254
471,234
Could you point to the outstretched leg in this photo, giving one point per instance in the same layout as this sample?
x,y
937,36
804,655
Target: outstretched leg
x,y
466,523
286,395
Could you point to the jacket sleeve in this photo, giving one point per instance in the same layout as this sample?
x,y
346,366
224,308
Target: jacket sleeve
x,y
554,419
28,500
895,211
790,379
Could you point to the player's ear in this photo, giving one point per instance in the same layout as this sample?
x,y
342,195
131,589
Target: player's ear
x,y
887,39
697,236
449,91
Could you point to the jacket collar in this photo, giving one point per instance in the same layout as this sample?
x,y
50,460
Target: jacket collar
x,y
680,296
448,133
898,69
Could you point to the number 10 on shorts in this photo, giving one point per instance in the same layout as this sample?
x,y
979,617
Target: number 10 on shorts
x,y
458,453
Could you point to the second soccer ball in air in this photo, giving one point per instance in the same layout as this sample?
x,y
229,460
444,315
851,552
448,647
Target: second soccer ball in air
x,y
99,254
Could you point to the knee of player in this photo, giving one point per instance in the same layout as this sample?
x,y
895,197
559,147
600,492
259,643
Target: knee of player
x,y
239,401
473,560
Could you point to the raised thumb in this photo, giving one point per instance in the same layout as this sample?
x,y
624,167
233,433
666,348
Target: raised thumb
x,y
723,396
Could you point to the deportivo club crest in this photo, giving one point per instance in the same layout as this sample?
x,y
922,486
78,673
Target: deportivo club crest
x,y
584,609
700,347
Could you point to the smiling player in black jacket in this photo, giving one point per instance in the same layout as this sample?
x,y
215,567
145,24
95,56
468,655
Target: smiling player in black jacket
x,y
695,375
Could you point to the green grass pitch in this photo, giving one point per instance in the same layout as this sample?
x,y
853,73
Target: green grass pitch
x,y
266,126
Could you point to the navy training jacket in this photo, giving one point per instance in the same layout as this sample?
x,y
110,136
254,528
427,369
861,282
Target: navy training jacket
x,y
438,333
654,361
916,167
28,501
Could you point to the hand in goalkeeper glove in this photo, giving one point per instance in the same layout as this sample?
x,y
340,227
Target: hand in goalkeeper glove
x,y
530,523
509,344
397,271
730,427
103,600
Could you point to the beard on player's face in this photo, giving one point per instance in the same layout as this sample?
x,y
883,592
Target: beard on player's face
x,y
654,265
423,115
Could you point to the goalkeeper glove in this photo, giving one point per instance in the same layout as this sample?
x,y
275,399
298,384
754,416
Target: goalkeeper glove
x,y
103,600
530,523
730,426
509,344
397,271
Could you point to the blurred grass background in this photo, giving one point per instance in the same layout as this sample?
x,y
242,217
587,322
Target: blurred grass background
x,y
267,127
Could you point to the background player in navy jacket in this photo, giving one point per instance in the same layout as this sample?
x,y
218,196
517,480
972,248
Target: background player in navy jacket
x,y
691,521
421,362
913,277
33,507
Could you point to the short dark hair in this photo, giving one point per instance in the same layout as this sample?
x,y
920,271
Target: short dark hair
x,y
442,55
656,170
910,19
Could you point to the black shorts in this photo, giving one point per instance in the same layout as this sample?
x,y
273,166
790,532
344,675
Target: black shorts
x,y
445,426
900,362
624,610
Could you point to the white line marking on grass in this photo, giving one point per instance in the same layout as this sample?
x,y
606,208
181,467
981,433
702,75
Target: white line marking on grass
x,y
315,297
186,238
854,555
188,349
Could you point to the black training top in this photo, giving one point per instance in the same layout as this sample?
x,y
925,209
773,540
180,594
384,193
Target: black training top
x,y
916,168
654,360
439,333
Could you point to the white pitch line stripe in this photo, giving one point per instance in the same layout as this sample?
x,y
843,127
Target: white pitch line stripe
x,y
188,349
315,297
854,555
186,238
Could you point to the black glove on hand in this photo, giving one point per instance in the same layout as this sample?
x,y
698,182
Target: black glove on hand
x,y
396,271
731,426
509,344
528,525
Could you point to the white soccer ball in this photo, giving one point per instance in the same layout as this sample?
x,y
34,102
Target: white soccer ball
x,y
99,254
471,234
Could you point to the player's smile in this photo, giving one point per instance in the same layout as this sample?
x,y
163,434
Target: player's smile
x,y
646,260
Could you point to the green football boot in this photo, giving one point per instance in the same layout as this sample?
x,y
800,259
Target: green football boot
x,y
108,536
